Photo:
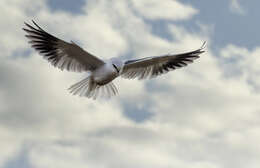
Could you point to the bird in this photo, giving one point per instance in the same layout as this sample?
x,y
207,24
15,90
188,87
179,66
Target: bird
x,y
101,73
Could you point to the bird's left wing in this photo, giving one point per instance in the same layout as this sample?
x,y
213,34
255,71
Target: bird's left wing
x,y
153,66
59,53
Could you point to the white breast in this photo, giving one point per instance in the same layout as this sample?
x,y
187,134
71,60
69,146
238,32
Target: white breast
x,y
104,74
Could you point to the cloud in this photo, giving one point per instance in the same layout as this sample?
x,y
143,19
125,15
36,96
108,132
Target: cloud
x,y
199,116
168,9
244,64
236,8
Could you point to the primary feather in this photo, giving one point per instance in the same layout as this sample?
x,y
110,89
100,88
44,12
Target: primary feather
x,y
59,53
153,66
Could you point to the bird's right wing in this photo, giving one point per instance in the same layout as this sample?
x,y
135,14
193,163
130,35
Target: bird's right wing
x,y
59,53
150,67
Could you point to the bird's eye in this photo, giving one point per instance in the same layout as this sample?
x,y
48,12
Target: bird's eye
x,y
115,67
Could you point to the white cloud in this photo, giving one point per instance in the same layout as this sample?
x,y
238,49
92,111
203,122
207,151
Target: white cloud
x,y
13,14
200,117
10,144
236,8
244,62
167,9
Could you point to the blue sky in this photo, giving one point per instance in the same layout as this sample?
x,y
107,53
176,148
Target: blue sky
x,y
215,13
204,115
241,29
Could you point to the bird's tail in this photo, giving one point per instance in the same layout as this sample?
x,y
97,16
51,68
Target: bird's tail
x,y
88,88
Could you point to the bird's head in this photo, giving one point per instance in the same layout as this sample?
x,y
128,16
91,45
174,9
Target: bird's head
x,y
117,64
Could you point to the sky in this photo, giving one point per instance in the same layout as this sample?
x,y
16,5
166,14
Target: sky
x,y
206,115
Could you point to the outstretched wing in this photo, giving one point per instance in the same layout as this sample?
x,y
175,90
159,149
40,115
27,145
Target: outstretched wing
x,y
59,53
153,66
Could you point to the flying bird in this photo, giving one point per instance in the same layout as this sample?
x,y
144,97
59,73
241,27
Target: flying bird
x,y
99,82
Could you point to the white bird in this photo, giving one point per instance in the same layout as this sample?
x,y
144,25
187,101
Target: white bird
x,y
99,83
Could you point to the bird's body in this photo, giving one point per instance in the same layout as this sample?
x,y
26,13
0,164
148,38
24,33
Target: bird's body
x,y
99,83
105,74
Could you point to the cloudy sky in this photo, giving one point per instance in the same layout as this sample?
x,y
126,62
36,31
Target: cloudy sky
x,y
206,115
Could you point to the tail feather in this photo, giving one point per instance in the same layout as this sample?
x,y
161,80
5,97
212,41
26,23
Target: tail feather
x,y
88,88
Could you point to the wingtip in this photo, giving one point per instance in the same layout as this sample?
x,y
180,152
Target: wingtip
x,y
26,24
203,45
24,29
37,25
28,27
33,22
